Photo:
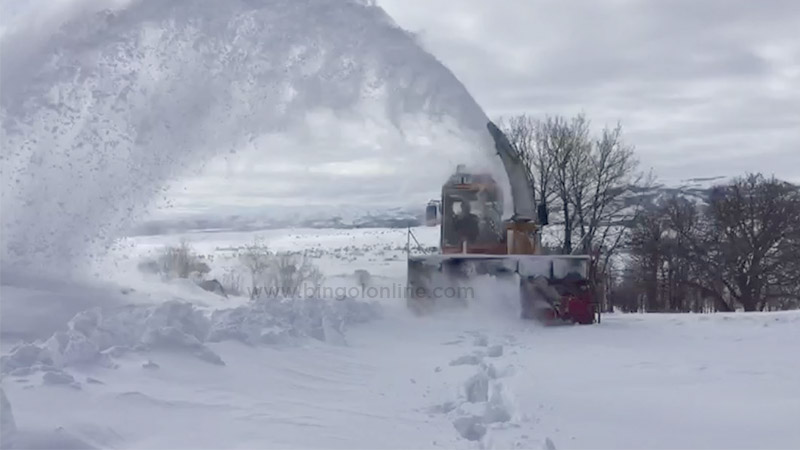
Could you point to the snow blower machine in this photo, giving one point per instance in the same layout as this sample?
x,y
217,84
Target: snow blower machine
x,y
475,240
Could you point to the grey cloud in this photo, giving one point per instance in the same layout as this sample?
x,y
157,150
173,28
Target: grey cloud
x,y
700,87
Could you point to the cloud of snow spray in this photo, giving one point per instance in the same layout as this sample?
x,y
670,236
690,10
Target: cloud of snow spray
x,y
100,114
493,299
489,299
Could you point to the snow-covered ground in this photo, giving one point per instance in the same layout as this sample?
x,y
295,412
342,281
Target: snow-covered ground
x,y
168,365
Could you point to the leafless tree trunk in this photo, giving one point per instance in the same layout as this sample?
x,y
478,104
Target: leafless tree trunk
x,y
556,151
588,178
567,144
527,135
257,260
757,224
602,174
738,251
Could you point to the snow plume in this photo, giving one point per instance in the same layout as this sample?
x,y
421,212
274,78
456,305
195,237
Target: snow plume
x,y
8,425
101,108
492,299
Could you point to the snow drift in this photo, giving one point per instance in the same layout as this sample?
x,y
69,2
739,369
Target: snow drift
x,y
98,335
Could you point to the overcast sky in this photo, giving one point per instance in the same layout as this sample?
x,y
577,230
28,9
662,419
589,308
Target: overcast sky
x,y
702,88
706,87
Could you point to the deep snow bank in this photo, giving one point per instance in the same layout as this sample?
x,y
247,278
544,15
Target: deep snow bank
x,y
97,335
270,322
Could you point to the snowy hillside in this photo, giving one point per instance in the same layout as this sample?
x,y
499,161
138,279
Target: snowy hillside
x,y
364,373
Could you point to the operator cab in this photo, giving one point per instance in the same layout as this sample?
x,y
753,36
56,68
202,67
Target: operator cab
x,y
472,209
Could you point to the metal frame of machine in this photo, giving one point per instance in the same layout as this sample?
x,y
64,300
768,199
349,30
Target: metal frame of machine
x,y
475,240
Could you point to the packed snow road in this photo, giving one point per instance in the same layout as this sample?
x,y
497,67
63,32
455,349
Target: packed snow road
x,y
195,371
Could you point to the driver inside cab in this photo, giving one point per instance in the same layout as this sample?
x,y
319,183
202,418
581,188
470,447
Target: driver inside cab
x,y
467,224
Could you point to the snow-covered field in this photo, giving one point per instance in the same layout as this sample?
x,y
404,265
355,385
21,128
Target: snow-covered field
x,y
168,365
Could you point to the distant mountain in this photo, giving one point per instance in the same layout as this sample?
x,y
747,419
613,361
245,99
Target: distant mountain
x,y
696,190
344,217
350,216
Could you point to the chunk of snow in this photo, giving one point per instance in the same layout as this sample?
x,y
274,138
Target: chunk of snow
x,y
443,408
498,409
472,360
24,356
495,351
477,388
470,428
57,378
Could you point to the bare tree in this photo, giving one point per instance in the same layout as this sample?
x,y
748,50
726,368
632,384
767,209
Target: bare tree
x,y
257,260
567,144
179,261
756,223
294,273
625,292
677,274
527,136
589,179
646,249
554,150
602,179
738,251
281,274
691,248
